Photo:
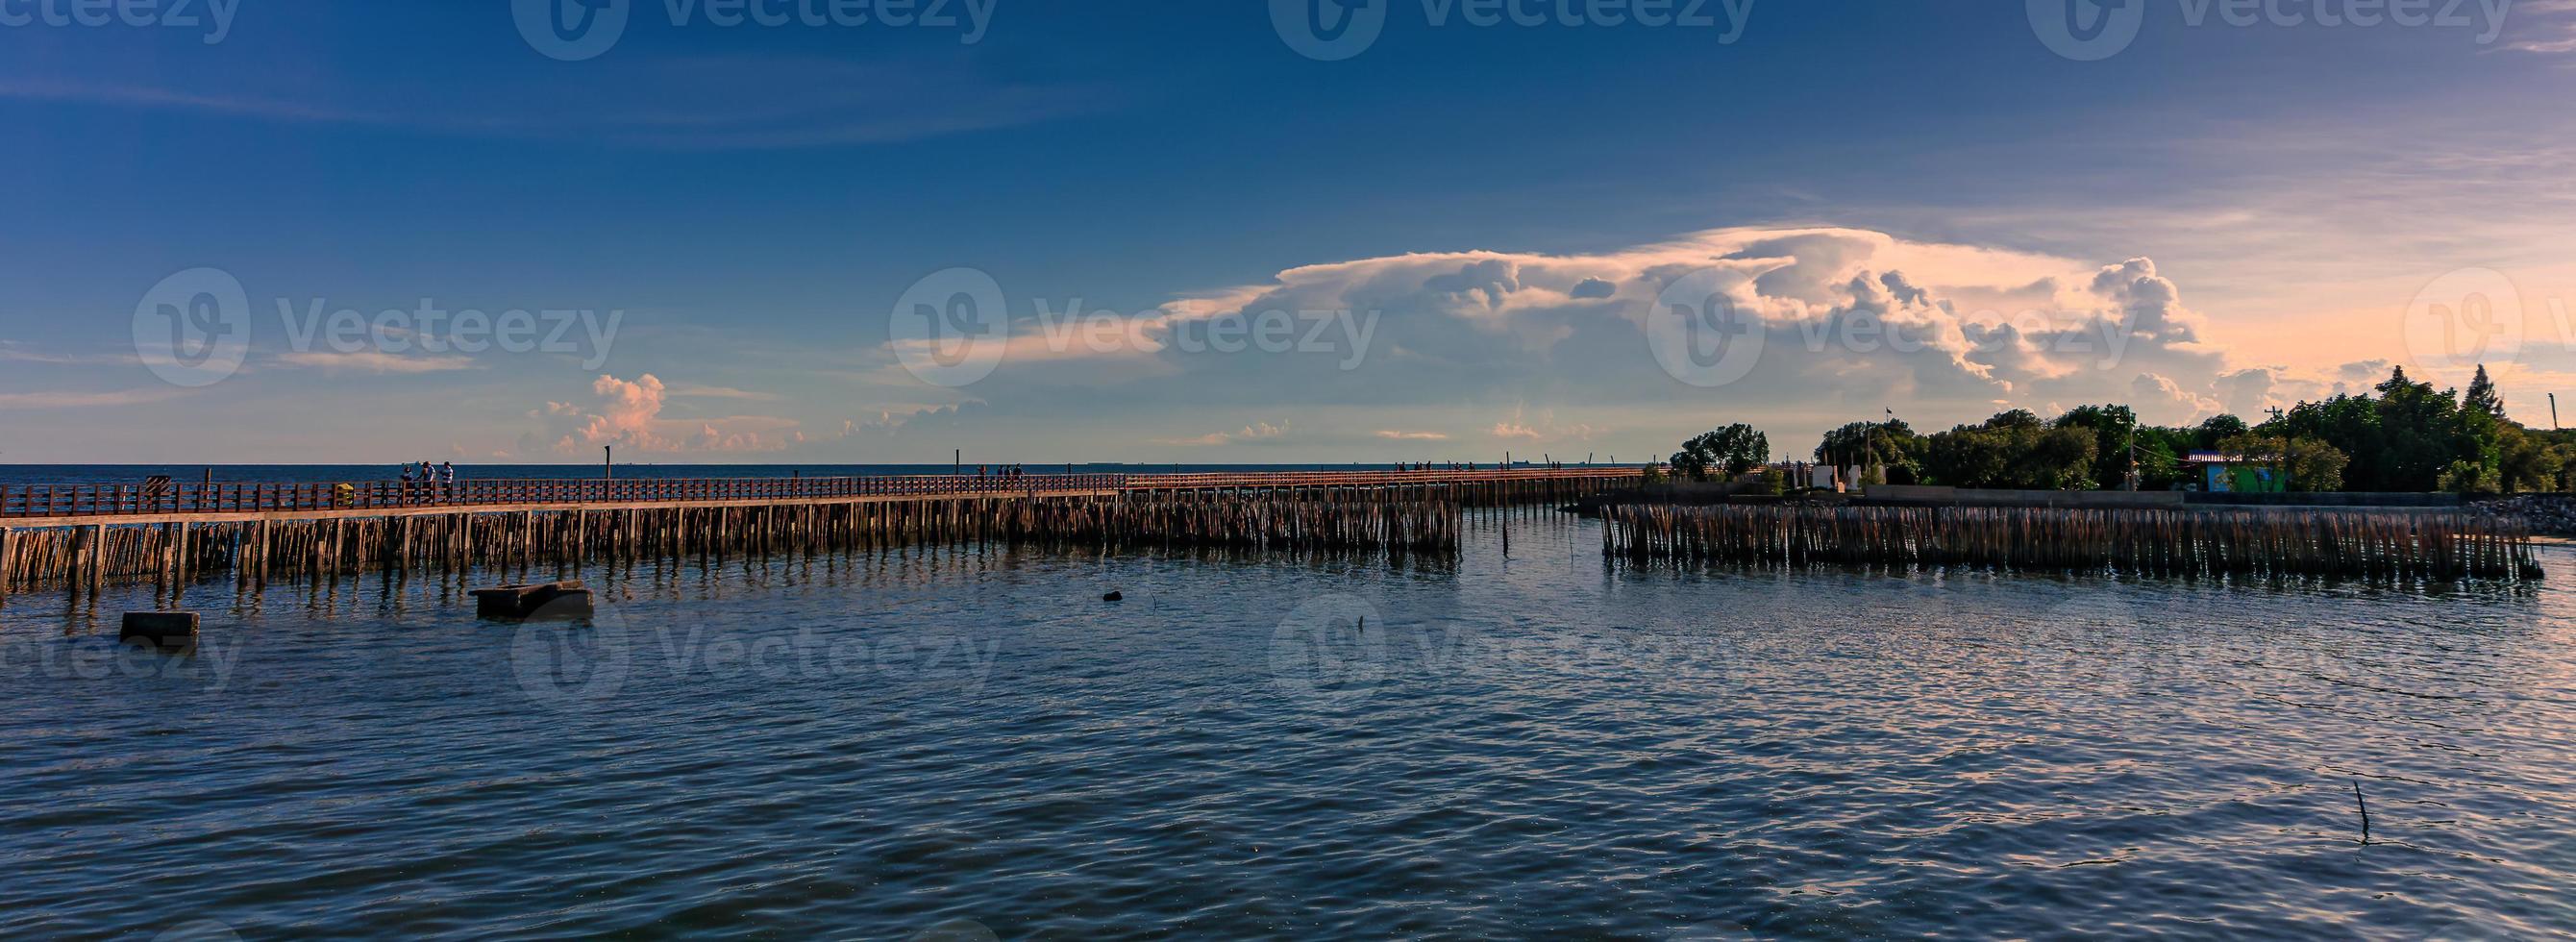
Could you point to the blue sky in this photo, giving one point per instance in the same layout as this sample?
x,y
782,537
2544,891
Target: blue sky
x,y
756,201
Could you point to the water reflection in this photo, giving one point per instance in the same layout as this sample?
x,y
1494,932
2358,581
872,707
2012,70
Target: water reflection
x,y
880,743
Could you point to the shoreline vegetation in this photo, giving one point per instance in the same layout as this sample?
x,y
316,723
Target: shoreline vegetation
x,y
2372,543
2401,436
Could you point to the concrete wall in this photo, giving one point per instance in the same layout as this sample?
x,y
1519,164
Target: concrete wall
x,y
2322,499
1980,497
1973,497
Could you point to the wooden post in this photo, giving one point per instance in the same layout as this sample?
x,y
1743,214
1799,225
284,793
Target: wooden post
x,y
8,560
97,559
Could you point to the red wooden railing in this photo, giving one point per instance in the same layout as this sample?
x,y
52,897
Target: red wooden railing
x,y
123,500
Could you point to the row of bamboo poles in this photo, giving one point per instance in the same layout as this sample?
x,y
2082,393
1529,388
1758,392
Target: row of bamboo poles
x,y
2361,543
1248,523
254,553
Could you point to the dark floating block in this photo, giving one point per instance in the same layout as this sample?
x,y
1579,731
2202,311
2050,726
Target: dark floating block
x,y
550,600
1112,597
162,628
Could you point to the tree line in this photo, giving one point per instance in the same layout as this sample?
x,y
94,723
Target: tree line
x,y
2402,435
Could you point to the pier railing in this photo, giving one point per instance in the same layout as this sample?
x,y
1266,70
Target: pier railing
x,y
146,500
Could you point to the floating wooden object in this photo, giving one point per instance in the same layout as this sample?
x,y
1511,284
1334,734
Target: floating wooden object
x,y
168,629
567,599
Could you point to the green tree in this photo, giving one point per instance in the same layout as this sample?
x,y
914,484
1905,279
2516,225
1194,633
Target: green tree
x,y
2534,460
2216,429
2407,438
2482,396
2013,449
2114,428
2469,477
1891,444
1737,449
2300,464
1968,456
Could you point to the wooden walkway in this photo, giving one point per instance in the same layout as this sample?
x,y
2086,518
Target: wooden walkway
x,y
87,535
45,505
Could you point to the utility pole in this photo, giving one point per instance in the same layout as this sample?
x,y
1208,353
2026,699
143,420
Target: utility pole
x,y
2133,451
2553,412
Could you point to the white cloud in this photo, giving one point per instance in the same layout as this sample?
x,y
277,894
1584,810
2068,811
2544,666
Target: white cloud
x,y
374,361
1258,431
628,414
78,400
1852,321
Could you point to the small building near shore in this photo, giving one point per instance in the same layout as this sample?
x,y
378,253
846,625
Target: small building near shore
x,y
2219,472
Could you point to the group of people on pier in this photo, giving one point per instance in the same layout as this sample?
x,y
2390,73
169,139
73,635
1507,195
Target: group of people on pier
x,y
426,482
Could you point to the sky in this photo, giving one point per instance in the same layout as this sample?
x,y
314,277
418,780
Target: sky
x,y
761,231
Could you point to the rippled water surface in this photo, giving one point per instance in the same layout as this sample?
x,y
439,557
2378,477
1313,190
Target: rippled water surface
x,y
882,744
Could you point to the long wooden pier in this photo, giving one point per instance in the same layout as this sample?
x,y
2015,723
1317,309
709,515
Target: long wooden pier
x,y
87,535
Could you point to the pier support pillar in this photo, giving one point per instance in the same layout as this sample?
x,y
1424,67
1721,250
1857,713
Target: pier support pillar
x,y
97,559
8,561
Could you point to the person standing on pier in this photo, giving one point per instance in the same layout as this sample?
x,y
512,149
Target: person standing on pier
x,y
447,479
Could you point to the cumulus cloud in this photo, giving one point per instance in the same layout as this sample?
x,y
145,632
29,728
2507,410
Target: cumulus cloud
x,y
1850,315
1404,436
1258,431
628,414
1849,321
1544,428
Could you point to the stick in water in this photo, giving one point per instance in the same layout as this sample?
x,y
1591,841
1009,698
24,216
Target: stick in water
x,y
2365,811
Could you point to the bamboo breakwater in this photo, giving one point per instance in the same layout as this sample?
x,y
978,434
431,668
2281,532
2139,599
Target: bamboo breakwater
x,y
2303,542
89,537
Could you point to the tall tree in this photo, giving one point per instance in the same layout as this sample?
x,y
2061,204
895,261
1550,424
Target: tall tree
x,y
2482,396
1737,448
1891,444
2013,449
2114,428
